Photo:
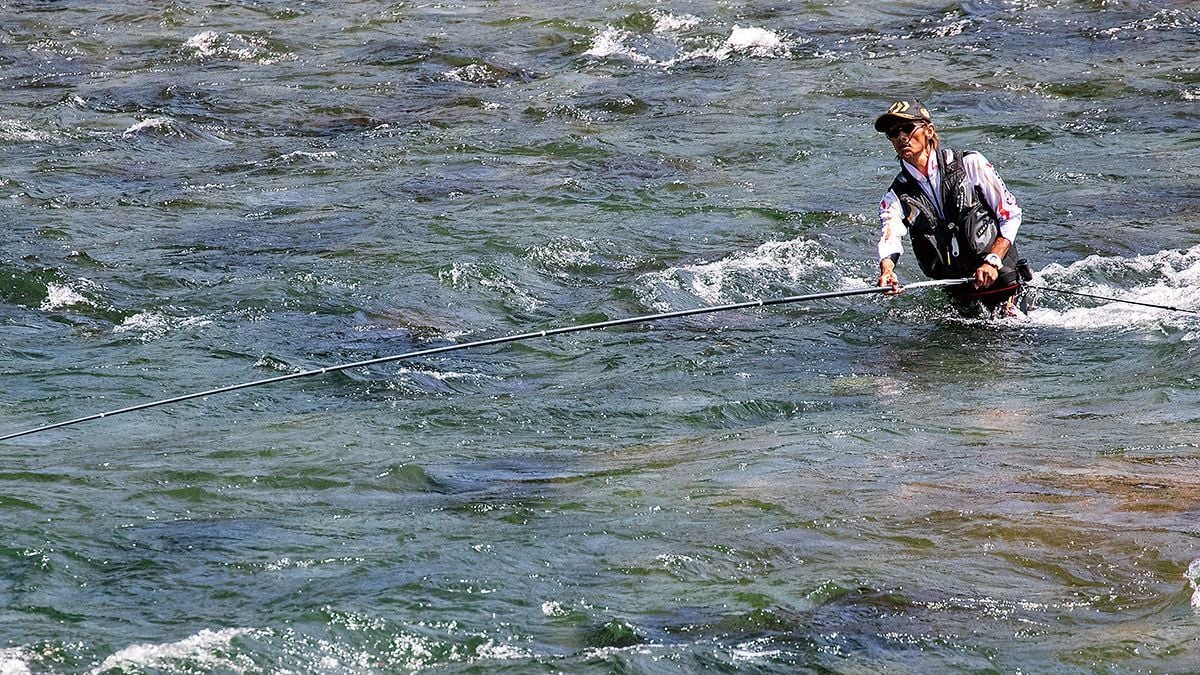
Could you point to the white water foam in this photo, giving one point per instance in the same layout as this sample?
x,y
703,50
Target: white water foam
x,y
234,46
565,256
748,41
754,652
288,563
1193,577
305,156
615,42
166,127
563,253
14,661
554,608
1168,278
775,262
153,325
405,651
59,296
13,130
463,275
665,22
163,125
754,42
1163,20
204,44
446,376
479,73
203,649
472,72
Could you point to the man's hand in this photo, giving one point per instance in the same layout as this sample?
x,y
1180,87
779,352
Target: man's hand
x,y
887,276
986,275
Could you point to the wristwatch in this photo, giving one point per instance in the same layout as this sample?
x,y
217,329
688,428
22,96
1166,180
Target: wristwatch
x,y
993,260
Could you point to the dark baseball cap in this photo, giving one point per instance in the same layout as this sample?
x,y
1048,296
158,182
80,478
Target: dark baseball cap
x,y
902,111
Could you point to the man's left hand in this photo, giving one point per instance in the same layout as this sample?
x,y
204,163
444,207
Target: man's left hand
x,y
986,275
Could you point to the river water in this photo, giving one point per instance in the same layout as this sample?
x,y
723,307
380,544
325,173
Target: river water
x,y
205,193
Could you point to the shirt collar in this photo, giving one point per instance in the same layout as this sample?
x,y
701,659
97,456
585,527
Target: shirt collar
x,y
931,168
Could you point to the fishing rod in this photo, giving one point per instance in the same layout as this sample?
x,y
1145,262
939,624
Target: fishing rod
x,y
488,342
1104,297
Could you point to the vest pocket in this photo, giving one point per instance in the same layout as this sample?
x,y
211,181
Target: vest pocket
x,y
931,247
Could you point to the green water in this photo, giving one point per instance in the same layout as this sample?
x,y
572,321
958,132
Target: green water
x,y
195,195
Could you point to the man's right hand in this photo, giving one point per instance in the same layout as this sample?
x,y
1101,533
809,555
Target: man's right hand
x,y
887,276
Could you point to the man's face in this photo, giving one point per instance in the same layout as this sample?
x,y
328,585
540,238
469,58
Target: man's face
x,y
910,139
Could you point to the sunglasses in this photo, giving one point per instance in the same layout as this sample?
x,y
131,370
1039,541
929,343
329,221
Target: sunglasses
x,y
907,128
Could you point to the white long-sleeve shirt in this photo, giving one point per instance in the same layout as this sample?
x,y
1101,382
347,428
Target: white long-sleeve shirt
x,y
980,173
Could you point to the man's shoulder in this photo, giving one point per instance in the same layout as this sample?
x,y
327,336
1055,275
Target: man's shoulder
x,y
947,153
975,159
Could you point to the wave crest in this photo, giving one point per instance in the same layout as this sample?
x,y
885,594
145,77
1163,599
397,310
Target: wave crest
x,y
1167,278
776,267
236,47
665,46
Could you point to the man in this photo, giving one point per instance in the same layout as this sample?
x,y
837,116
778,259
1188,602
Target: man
x,y
954,207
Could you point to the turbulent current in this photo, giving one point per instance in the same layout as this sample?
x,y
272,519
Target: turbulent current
x,y
198,194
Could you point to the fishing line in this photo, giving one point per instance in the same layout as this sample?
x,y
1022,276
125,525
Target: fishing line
x,y
484,343
1102,297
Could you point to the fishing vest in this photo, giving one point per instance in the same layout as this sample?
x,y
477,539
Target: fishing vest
x,y
952,246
